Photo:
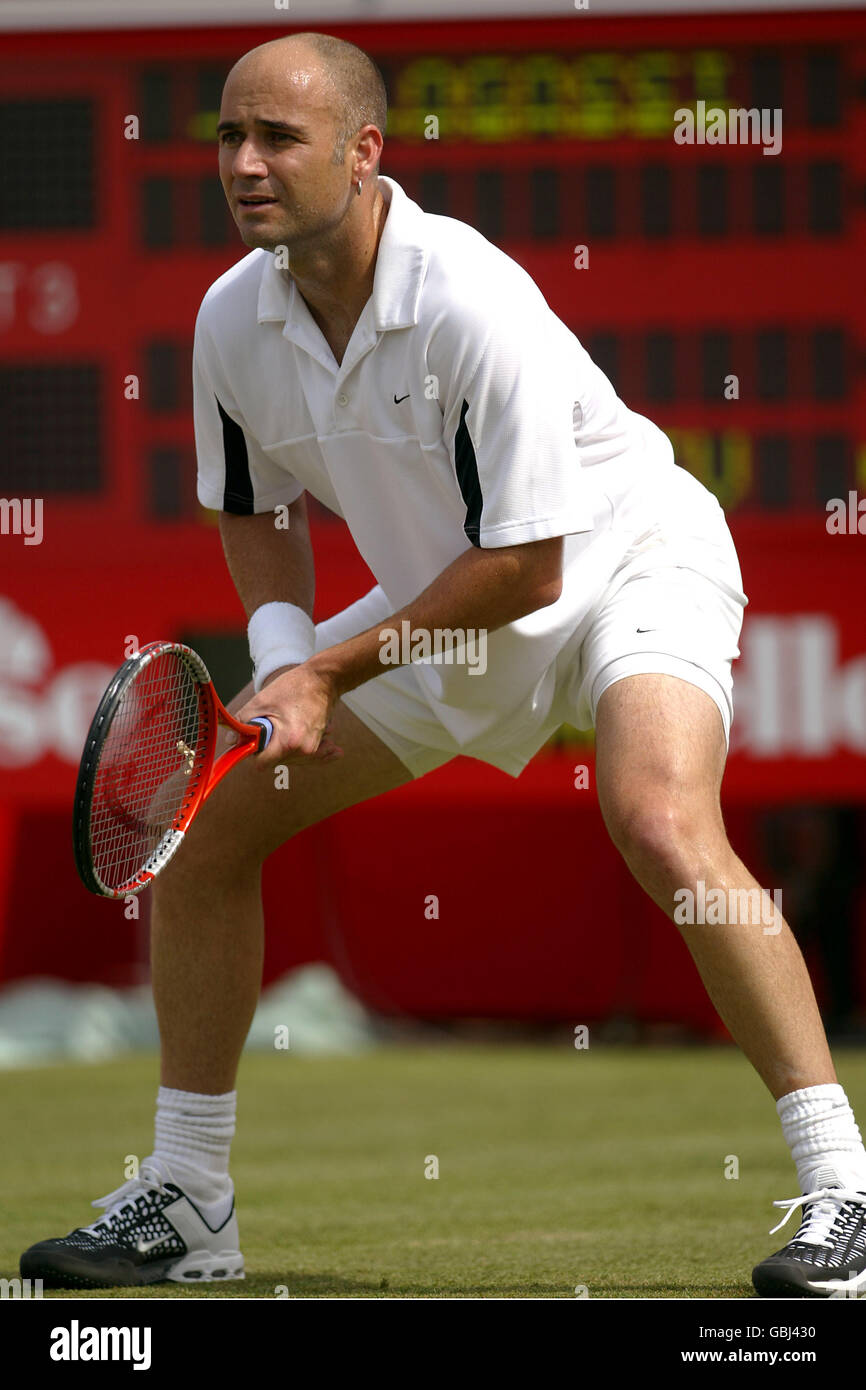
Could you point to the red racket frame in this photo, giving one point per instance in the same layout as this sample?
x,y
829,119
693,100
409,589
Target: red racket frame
x,y
252,738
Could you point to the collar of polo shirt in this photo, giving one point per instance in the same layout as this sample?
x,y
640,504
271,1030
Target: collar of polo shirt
x,y
401,263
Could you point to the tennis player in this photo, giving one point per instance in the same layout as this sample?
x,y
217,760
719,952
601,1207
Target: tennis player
x,y
409,375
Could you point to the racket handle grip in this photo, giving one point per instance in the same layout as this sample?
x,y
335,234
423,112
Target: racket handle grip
x,y
267,730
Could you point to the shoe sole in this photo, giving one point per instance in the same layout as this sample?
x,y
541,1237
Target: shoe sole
x,y
203,1267
63,1269
783,1281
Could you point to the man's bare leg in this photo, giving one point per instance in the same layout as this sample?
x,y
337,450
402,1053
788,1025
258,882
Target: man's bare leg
x,y
207,930
661,754
660,757
175,1218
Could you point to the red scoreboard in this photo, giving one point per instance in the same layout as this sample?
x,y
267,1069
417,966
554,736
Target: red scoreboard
x,y
703,260
720,286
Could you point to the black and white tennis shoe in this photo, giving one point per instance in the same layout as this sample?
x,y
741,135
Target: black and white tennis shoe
x,y
150,1231
827,1256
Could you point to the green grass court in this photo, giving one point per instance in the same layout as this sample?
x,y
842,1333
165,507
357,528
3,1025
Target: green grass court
x,y
558,1168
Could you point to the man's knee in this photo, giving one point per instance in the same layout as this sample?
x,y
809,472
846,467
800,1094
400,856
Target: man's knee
x,y
222,847
660,831
204,863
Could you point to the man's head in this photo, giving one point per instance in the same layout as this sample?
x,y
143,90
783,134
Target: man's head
x,y
301,121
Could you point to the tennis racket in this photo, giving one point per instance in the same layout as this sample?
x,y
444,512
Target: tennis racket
x,y
149,765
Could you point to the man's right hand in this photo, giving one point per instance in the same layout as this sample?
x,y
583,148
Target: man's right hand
x,y
299,703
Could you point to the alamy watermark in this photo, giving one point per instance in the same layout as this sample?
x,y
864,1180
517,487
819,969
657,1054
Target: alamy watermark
x,y
22,516
739,126
77,1343
719,907
21,1288
449,646
846,516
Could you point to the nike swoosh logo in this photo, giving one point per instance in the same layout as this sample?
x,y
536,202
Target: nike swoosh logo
x,y
646,629
402,398
142,1246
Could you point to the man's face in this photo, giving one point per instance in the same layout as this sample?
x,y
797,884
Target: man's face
x,y
276,141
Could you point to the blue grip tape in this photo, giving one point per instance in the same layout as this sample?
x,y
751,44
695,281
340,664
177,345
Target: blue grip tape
x,y
267,732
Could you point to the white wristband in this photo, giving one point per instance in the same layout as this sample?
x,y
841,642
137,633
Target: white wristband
x,y
279,634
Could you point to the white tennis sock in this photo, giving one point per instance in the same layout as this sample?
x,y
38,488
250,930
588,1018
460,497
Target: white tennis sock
x,y
193,1136
822,1134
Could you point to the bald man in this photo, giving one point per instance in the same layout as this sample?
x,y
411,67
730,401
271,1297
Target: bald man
x,y
517,498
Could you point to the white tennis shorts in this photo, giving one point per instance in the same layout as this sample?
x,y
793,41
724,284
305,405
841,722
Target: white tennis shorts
x,y
673,606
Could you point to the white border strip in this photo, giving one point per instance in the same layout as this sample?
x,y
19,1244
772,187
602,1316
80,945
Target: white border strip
x,y
59,15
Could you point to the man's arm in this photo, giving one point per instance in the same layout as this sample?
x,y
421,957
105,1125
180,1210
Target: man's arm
x,y
269,565
481,589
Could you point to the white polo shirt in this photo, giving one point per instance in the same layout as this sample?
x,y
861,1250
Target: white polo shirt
x,y
464,413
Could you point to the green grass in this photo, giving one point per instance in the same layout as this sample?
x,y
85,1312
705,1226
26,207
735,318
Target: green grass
x,y
557,1168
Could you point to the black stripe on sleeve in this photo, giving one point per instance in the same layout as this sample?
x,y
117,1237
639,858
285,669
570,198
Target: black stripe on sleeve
x,y
238,490
467,476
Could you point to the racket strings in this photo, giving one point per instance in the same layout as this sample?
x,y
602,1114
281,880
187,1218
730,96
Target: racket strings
x,y
149,768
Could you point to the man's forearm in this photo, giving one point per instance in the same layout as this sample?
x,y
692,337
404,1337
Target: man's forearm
x,y
481,590
268,563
